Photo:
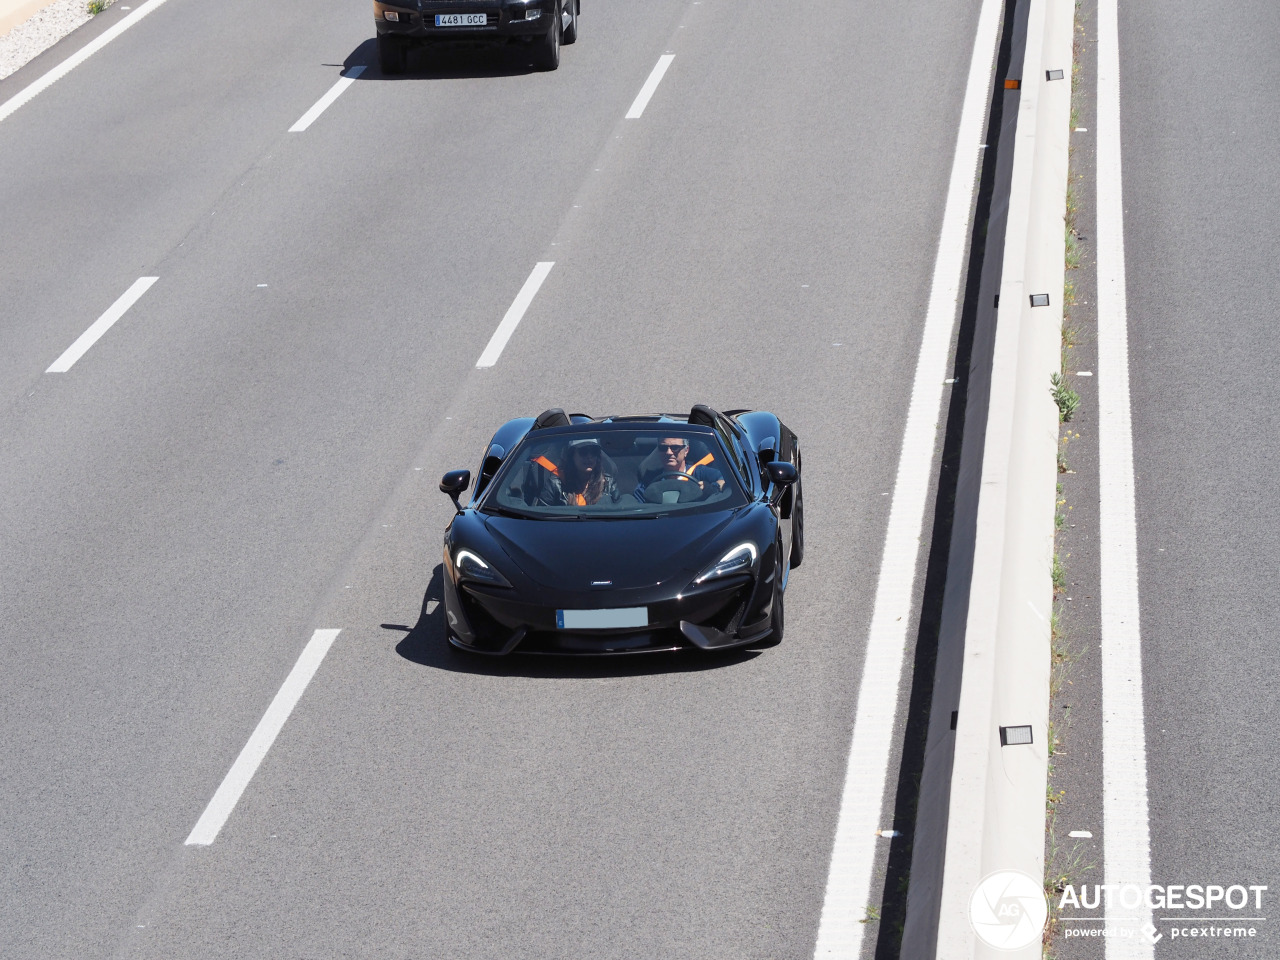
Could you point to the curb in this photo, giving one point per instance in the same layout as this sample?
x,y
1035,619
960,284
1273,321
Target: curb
x,y
996,812
982,805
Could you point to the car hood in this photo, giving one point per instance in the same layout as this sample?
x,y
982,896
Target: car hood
x,y
574,554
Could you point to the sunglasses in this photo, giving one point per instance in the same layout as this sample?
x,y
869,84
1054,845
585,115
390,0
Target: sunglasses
x,y
672,447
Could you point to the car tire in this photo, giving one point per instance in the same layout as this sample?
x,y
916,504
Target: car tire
x,y
393,54
571,31
546,55
797,527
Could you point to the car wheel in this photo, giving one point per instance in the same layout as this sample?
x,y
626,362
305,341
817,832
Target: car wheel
x,y
392,54
797,527
546,55
571,31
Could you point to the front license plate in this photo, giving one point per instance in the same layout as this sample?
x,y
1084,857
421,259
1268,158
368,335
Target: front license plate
x,y
614,619
462,19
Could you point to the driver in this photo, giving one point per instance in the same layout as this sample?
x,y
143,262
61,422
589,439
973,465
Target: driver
x,y
668,461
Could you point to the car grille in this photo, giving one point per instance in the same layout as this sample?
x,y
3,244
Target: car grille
x,y
650,641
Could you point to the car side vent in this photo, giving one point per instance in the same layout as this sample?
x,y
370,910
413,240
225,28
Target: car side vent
x,y
555,417
702,415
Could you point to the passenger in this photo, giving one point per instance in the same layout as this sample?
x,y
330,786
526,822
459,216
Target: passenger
x,y
584,480
668,460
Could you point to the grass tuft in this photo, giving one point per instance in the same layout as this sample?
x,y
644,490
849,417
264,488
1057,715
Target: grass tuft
x,y
1068,400
1062,658
1073,250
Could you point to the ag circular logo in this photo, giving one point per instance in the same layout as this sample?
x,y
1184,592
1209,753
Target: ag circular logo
x,y
1008,910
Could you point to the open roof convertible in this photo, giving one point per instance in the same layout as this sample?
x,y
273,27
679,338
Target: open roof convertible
x,y
625,534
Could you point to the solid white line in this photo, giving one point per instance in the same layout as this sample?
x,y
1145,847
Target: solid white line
x,y
514,314
101,325
77,58
854,852
1125,830
326,101
650,85
242,771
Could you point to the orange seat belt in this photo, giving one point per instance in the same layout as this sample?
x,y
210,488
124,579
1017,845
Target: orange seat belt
x,y
547,465
701,463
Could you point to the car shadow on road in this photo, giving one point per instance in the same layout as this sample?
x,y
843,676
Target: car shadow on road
x,y
446,63
424,643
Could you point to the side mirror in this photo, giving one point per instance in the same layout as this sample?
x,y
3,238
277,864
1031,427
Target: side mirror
x,y
780,472
455,482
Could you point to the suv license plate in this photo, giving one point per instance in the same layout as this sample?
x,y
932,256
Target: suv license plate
x,y
461,19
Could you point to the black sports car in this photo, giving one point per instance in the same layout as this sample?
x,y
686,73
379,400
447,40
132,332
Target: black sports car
x,y
625,534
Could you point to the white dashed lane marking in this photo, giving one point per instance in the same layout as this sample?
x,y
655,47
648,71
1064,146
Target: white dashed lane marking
x,y
264,735
326,101
646,92
514,314
101,325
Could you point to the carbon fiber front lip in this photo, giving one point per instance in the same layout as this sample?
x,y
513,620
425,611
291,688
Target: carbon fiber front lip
x,y
584,652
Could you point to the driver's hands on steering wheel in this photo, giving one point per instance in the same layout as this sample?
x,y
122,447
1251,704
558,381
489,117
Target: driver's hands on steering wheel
x,y
679,475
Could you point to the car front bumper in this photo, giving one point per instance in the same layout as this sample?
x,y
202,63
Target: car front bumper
x,y
494,621
507,20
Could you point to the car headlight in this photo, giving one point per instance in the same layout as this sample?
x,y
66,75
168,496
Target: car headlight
x,y
741,559
471,566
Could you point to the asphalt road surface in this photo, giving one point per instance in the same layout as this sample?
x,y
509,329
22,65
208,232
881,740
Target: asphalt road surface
x,y
1200,123
1202,187
251,453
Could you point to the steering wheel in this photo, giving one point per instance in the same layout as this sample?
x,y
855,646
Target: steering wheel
x,y
675,486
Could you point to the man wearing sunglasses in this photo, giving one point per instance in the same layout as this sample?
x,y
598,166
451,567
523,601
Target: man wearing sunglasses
x,y
669,461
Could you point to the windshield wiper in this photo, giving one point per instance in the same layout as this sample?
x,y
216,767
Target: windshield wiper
x,y
508,512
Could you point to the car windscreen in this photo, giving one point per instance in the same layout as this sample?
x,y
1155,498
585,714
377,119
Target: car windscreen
x,y
599,472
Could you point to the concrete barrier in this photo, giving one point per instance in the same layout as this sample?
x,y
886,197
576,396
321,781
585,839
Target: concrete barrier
x,y
982,804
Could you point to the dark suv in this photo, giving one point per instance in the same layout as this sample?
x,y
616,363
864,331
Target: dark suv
x,y
541,24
